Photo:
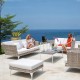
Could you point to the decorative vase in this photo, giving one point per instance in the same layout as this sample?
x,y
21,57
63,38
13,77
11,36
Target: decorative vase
x,y
15,38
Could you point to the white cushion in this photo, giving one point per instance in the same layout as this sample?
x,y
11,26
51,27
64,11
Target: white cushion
x,y
19,45
26,64
60,41
68,47
64,41
24,43
23,50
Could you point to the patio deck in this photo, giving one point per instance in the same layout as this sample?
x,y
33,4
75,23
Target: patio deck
x,y
51,71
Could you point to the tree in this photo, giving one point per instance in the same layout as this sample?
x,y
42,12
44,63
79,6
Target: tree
x,y
1,4
8,26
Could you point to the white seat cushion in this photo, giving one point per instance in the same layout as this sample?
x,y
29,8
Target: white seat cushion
x,y
60,48
68,47
19,44
26,64
23,50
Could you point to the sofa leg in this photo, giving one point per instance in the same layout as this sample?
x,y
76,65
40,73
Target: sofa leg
x,y
10,72
18,57
31,76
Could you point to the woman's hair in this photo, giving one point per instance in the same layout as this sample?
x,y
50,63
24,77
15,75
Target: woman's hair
x,y
69,35
28,37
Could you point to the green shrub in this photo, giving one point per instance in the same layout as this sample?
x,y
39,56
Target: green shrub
x,y
1,51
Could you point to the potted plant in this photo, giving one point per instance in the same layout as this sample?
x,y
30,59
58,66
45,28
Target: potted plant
x,y
16,35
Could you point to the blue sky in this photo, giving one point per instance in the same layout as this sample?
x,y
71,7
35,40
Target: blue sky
x,y
45,14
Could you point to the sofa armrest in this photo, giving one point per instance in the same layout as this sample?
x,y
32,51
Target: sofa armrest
x,y
73,58
9,49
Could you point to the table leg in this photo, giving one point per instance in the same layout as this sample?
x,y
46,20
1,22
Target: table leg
x,y
52,58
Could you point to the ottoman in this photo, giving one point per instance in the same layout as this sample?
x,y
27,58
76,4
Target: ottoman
x,y
26,65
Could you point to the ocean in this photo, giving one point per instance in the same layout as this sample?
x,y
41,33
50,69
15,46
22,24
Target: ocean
x,y
51,34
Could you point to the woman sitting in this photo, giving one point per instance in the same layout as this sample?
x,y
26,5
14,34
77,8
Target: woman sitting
x,y
68,43
30,41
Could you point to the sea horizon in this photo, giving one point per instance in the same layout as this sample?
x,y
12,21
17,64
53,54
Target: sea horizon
x,y
54,29
51,34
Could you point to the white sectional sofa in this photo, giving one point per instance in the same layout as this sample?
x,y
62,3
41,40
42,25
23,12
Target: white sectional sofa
x,y
58,41
18,47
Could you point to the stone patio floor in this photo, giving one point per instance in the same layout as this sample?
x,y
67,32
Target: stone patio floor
x,y
51,71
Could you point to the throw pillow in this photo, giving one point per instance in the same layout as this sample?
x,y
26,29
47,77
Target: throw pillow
x,y
19,45
24,43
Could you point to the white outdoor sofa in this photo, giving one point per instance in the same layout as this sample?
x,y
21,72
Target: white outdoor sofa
x,y
17,48
73,54
58,41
